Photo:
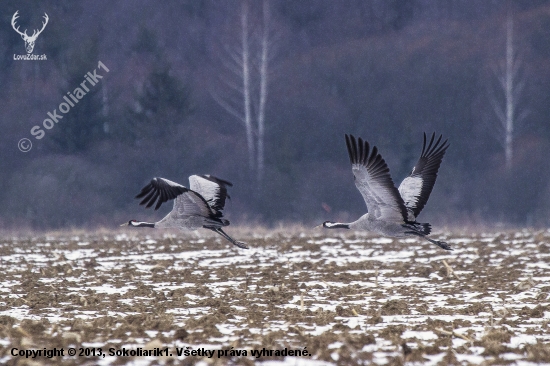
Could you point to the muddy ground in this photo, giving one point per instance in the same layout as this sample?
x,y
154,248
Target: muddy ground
x,y
337,299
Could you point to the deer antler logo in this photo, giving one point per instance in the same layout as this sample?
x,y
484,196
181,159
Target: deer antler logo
x,y
29,41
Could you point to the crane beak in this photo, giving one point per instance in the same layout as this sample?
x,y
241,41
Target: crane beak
x,y
318,226
125,224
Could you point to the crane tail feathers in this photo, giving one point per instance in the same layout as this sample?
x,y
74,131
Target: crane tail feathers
x,y
420,228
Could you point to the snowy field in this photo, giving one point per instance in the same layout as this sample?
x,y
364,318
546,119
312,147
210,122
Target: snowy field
x,y
292,299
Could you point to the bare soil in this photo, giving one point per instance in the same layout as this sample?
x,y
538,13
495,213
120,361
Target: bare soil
x,y
344,299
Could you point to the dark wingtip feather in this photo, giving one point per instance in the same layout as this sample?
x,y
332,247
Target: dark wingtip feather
x,y
445,145
432,148
431,142
373,155
158,189
423,145
143,192
150,193
369,157
152,201
367,152
348,145
361,152
352,148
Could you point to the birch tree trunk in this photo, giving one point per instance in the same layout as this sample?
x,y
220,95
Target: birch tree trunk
x,y
246,85
509,89
512,86
263,91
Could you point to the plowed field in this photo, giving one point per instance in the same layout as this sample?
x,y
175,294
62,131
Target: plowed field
x,y
296,299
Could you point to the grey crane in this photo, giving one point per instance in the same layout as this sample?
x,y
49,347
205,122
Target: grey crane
x,y
199,206
392,212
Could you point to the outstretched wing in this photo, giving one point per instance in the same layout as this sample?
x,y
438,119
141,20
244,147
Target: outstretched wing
x,y
417,187
161,189
212,189
373,180
191,203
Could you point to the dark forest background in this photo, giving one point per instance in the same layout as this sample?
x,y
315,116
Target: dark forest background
x,y
385,70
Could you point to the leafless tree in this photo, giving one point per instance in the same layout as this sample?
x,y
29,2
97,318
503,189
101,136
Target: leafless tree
x,y
246,82
511,83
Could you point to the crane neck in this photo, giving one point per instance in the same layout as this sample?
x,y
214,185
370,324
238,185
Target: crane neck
x,y
335,225
143,224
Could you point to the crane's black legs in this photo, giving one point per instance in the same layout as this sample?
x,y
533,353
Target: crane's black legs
x,y
441,244
218,230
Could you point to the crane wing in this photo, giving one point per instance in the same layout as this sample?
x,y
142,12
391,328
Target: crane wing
x,y
191,203
161,189
212,189
373,180
417,187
